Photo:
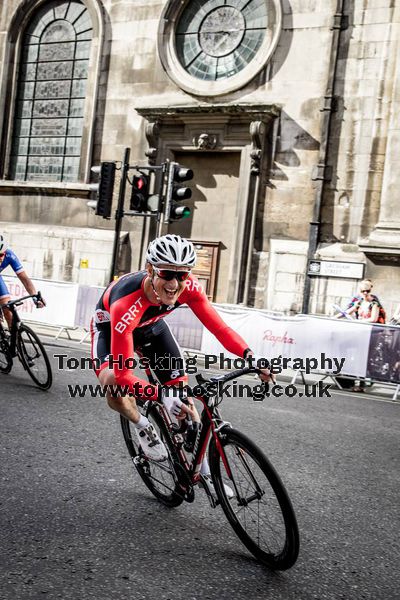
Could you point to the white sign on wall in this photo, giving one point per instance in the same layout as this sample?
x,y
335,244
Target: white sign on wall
x,y
335,268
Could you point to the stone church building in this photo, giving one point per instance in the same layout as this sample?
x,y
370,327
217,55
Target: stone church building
x,y
288,112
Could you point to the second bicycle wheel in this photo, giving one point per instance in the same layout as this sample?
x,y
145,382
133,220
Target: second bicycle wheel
x,y
259,510
34,358
159,477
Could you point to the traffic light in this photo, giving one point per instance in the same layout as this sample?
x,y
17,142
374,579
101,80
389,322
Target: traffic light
x,y
104,189
142,202
176,192
140,193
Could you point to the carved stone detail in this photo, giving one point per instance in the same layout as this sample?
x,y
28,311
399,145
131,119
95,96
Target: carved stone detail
x,y
257,133
152,136
205,141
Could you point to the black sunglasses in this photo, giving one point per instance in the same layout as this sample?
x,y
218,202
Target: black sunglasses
x,y
169,275
365,291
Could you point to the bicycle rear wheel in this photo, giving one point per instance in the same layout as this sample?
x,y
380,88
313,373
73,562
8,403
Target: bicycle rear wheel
x,y
260,511
34,358
159,477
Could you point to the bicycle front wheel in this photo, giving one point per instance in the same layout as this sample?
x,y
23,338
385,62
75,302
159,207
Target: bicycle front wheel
x,y
159,477
260,510
34,358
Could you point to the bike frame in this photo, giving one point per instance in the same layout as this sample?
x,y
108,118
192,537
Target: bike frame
x,y
211,424
15,323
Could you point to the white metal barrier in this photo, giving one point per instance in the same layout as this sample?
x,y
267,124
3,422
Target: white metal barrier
x,y
307,343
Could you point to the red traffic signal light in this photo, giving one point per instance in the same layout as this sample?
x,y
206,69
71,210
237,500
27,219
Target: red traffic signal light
x,y
140,193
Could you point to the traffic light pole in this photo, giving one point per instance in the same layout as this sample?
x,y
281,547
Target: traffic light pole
x,y
162,199
170,187
120,211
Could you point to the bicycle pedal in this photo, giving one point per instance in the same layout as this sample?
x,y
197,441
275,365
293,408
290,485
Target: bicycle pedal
x,y
189,495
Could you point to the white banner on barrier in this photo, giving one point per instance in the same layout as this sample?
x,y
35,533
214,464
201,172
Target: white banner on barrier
x,y
61,299
298,338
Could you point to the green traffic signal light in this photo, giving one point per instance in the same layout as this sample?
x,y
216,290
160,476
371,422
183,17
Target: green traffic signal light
x,y
177,174
179,212
186,212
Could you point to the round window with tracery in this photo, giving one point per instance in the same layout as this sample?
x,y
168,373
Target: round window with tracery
x,y
211,47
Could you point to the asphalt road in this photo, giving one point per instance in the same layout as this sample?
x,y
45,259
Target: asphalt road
x,y
77,522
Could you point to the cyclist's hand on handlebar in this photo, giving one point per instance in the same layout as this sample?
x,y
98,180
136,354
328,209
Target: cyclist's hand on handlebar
x,y
39,300
264,374
172,398
267,376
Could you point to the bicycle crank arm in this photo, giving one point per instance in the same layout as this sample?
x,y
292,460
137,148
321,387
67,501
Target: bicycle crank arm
x,y
142,461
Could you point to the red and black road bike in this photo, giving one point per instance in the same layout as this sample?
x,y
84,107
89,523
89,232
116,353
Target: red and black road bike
x,y
245,483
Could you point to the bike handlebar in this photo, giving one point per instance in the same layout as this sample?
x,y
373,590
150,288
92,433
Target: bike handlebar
x,y
204,383
228,377
234,374
20,301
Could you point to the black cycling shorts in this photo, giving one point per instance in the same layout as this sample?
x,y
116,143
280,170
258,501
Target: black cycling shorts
x,y
154,342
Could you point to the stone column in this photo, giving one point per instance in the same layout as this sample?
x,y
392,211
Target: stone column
x,y
387,231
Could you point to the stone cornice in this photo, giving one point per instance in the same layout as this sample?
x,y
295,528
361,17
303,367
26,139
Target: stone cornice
x,y
45,187
248,112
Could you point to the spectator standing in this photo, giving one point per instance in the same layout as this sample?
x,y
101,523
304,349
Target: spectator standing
x,y
366,306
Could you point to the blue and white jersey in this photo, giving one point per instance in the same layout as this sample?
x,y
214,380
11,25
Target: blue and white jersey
x,y
11,260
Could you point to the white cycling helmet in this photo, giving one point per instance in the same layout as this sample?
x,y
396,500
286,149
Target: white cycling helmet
x,y
171,250
3,243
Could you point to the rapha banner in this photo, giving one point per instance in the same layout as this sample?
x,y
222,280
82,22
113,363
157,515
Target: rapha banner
x,y
307,343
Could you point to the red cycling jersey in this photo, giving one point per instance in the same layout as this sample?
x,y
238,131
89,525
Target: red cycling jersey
x,y
125,307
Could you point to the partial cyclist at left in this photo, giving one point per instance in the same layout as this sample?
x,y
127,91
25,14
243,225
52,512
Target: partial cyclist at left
x,y
18,339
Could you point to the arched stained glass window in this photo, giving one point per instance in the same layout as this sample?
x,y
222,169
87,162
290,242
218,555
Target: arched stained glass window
x,y
51,92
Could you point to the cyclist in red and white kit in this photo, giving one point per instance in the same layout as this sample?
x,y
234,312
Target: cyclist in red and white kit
x,y
130,316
